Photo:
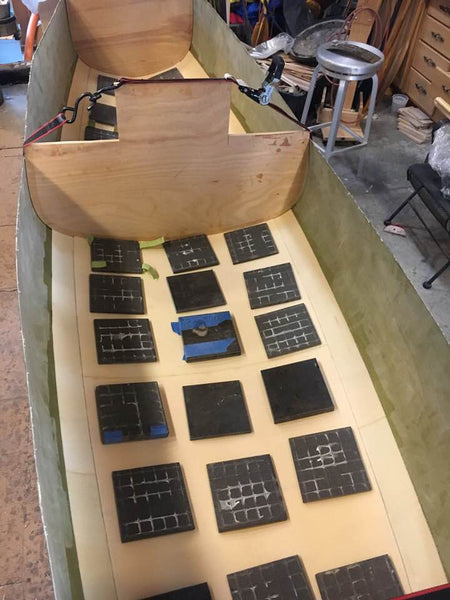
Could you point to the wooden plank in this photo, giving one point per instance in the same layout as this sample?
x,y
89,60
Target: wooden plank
x,y
359,32
141,37
174,171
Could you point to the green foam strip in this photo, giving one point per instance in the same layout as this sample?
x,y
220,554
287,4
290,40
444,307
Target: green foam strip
x,y
146,268
151,243
98,264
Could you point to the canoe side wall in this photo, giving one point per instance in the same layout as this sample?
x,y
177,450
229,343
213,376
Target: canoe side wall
x,y
49,83
405,352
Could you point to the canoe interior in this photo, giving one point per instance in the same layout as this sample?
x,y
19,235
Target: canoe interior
x,y
329,217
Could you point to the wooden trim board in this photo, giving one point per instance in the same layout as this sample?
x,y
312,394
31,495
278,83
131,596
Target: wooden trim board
x,y
132,39
174,150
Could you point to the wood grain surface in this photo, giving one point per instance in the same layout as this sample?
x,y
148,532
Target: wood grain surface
x,y
132,39
174,171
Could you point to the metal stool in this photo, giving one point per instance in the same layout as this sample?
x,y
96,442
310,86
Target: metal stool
x,y
346,61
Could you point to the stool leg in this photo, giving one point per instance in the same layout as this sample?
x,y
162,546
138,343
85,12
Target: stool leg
x,y
373,99
308,100
337,111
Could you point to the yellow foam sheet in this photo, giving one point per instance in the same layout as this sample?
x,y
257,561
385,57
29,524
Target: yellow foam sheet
x,y
325,534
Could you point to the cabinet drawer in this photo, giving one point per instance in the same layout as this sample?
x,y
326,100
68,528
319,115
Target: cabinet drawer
x,y
436,35
441,85
427,61
440,10
419,89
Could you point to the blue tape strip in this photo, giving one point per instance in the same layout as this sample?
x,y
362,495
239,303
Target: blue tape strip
x,y
205,348
176,327
112,437
157,431
209,320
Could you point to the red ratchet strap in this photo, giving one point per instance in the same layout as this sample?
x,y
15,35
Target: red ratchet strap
x,y
46,129
60,119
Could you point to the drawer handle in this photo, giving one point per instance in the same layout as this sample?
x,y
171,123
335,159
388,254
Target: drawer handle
x,y
421,89
446,89
445,9
437,36
430,62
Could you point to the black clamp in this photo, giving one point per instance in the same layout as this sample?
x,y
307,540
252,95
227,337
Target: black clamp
x,y
263,95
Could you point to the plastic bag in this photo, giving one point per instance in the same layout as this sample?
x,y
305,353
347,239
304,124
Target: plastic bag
x,y
439,157
281,42
32,5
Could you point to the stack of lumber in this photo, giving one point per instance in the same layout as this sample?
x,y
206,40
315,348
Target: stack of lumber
x,y
415,124
295,75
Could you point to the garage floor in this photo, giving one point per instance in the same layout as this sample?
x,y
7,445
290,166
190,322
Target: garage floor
x,y
376,176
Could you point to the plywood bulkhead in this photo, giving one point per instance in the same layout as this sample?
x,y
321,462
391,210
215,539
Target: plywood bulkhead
x,y
135,38
174,171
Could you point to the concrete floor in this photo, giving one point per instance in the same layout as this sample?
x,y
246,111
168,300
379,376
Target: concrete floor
x,y
24,567
376,176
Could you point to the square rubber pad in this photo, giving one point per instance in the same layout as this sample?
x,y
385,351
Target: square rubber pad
x,y
151,501
271,285
285,579
94,133
245,493
250,243
216,409
328,465
130,412
105,81
190,254
116,294
122,341
195,291
194,592
207,336
297,390
372,579
287,330
104,113
120,256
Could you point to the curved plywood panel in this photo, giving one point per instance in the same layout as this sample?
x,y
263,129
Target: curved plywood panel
x,y
133,38
174,171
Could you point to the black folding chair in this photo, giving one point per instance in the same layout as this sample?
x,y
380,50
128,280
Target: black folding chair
x,y
427,185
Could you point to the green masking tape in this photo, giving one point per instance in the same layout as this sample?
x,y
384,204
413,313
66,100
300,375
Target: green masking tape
x,y
98,264
151,243
146,268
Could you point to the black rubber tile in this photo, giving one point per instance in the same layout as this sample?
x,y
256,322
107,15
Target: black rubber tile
x,y
271,285
328,465
195,291
189,254
250,243
283,579
170,74
297,390
130,412
207,336
122,341
287,330
372,579
104,113
216,409
194,592
116,294
104,81
120,256
151,501
246,493
93,133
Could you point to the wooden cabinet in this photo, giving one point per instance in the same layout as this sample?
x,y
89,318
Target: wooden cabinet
x,y
429,72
